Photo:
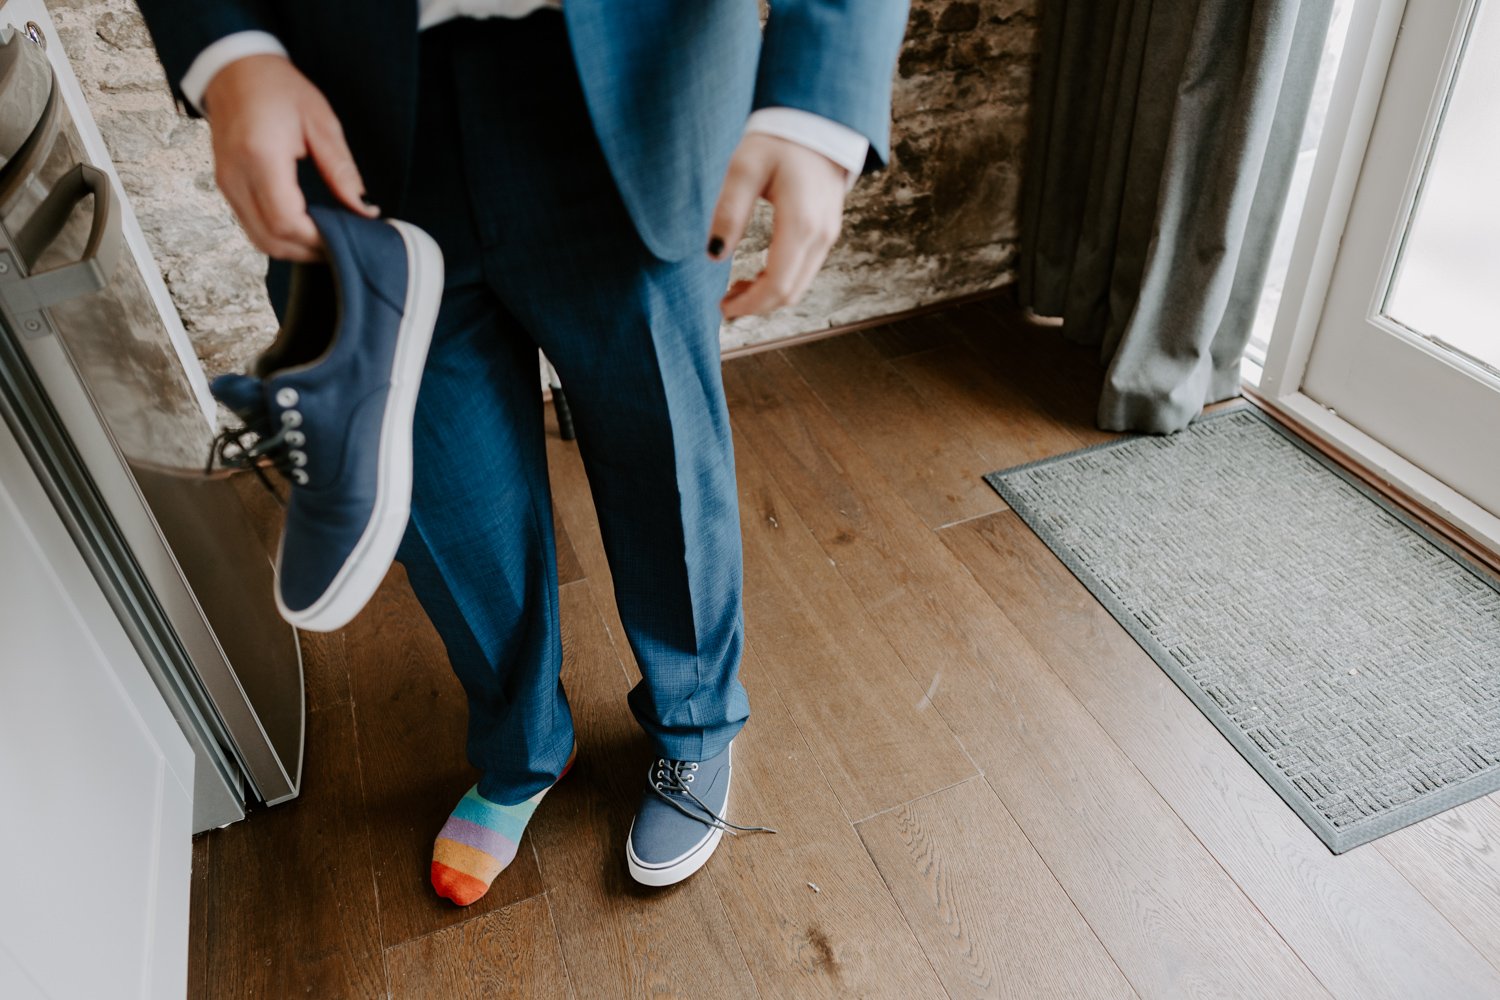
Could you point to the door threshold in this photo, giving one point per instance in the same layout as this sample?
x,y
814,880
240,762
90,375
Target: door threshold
x,y
1458,520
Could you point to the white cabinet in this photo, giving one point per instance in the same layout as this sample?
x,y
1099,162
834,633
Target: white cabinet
x,y
96,777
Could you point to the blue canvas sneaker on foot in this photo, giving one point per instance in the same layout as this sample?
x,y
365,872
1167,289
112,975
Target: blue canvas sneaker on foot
x,y
331,404
681,819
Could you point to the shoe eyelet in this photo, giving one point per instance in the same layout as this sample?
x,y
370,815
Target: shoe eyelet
x,y
299,458
296,438
693,767
299,477
291,418
286,396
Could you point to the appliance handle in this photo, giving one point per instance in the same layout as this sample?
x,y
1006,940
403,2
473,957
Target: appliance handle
x,y
91,271
26,51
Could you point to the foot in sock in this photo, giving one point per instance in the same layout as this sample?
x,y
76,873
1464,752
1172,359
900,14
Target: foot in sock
x,y
479,841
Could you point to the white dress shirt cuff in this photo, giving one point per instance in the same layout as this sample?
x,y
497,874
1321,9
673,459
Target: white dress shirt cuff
x,y
220,54
839,143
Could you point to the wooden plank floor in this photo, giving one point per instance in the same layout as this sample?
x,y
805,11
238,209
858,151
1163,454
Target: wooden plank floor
x,y
984,788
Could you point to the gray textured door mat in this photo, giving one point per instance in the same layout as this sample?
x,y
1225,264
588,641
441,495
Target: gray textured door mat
x,y
1350,656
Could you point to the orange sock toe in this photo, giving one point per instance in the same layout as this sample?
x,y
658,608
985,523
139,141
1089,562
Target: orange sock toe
x,y
455,885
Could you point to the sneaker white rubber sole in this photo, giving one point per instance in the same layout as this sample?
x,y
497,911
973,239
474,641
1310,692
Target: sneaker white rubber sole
x,y
674,871
370,559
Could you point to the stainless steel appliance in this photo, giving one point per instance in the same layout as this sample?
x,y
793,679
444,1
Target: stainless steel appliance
x,y
94,388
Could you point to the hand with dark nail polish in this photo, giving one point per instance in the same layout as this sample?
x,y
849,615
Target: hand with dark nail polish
x,y
806,192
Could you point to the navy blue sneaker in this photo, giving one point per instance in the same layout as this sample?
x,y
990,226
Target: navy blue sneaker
x,y
333,411
680,820
245,397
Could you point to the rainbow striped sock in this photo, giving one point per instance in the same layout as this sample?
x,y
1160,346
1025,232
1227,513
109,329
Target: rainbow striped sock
x,y
479,840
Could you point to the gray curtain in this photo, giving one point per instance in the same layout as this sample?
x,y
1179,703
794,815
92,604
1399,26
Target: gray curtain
x,y
1164,137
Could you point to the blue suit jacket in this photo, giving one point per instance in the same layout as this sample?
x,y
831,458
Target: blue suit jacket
x,y
669,83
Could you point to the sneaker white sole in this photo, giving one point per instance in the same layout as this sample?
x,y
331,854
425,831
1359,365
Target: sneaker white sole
x,y
370,559
680,868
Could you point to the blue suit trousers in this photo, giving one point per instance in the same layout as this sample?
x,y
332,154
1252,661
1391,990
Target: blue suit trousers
x,y
509,179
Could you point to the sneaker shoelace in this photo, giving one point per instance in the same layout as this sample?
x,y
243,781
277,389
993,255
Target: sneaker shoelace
x,y
673,778
246,448
250,447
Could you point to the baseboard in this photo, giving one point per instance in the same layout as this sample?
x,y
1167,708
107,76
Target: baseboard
x,y
798,339
927,308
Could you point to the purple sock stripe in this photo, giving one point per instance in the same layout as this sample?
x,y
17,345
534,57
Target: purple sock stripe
x,y
483,838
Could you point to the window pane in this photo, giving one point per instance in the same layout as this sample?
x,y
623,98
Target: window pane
x,y
1446,281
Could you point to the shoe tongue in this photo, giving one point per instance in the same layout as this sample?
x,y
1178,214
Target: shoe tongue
x,y
243,394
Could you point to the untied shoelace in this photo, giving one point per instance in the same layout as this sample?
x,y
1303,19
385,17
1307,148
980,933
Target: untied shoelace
x,y
673,778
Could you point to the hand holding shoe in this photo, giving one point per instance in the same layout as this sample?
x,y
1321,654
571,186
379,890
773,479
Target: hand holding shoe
x,y
265,116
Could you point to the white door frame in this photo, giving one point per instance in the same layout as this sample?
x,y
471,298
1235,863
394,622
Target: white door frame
x,y
1357,92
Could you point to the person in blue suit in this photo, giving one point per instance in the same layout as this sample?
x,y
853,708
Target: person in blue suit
x,y
587,168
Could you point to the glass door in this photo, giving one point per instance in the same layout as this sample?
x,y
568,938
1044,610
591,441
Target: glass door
x,y
1407,347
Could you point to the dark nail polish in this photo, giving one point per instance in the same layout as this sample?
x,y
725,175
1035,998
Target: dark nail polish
x,y
715,246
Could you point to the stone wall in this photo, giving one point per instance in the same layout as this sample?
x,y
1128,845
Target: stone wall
x,y
940,223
